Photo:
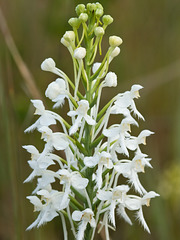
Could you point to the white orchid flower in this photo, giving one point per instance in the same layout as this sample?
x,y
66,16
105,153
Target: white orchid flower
x,y
135,203
129,169
45,181
57,92
126,100
102,159
133,143
39,168
49,209
113,197
50,66
71,179
40,162
55,140
45,119
81,113
36,163
86,216
32,150
119,132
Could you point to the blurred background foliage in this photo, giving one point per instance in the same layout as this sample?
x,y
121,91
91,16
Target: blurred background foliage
x,y
150,55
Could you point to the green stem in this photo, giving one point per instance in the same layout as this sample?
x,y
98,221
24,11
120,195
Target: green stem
x,y
76,203
104,109
88,232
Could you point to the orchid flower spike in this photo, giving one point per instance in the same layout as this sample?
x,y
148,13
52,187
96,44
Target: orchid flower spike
x,y
88,156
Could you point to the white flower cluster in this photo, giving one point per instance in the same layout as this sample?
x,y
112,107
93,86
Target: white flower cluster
x,y
90,155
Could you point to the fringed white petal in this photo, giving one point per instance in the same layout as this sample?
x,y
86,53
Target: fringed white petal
x,y
112,212
140,217
81,229
122,213
99,176
134,180
35,223
75,126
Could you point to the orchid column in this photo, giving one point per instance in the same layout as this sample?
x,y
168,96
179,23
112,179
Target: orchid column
x,y
96,153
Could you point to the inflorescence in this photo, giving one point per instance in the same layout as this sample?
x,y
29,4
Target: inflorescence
x,y
90,155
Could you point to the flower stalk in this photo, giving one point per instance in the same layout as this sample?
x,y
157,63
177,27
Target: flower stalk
x,y
90,168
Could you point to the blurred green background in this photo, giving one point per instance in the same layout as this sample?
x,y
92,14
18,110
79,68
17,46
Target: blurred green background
x,y
150,56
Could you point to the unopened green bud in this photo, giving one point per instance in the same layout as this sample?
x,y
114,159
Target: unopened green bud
x,y
74,22
99,5
80,9
99,12
115,41
99,31
91,7
107,19
69,36
83,17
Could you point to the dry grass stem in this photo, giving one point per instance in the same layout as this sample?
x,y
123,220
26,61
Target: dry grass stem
x,y
27,76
